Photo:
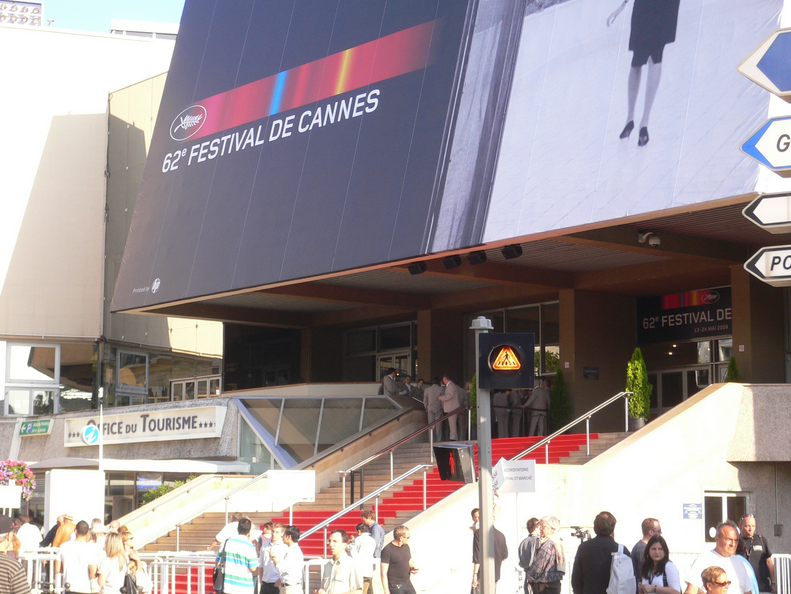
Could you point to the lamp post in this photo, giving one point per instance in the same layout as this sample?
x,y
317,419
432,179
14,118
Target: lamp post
x,y
480,325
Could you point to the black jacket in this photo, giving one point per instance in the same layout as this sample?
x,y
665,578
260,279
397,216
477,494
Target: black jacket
x,y
591,573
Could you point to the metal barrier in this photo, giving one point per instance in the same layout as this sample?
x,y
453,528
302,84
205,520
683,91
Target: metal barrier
x,y
587,418
782,573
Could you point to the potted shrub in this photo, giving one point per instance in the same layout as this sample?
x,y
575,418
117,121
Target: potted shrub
x,y
559,407
637,383
732,374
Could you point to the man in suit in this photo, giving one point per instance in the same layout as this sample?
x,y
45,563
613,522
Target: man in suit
x,y
389,384
434,406
450,402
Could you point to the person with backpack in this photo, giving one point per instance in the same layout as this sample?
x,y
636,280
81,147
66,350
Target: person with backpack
x,y
658,574
602,565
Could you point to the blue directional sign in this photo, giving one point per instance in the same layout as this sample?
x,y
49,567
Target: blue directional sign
x,y
770,145
769,65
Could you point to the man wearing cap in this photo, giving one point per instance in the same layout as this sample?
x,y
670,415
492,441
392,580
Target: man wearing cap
x,y
12,575
78,561
65,530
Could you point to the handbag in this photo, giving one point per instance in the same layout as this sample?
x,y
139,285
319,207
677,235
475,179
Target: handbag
x,y
130,586
218,577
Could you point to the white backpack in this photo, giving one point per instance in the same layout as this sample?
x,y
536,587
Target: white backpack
x,y
621,574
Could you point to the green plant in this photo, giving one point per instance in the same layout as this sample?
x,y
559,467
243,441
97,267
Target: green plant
x,y
559,406
637,383
474,393
551,362
161,490
732,374
17,472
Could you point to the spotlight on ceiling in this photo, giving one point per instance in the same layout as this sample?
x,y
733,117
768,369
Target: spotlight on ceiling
x,y
512,251
451,262
417,268
649,237
476,257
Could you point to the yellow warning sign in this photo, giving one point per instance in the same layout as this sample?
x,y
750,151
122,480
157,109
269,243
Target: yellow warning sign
x,y
506,360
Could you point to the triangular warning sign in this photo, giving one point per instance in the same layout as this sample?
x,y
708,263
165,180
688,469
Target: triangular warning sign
x,y
506,360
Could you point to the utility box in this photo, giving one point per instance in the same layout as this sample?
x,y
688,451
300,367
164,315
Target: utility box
x,y
455,462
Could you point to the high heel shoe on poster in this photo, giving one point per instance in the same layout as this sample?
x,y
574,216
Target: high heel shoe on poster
x,y
627,130
643,139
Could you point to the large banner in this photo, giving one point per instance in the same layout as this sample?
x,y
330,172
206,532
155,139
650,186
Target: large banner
x,y
297,138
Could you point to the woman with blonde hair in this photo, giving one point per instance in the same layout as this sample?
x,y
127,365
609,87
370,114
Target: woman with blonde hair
x,y
715,580
113,569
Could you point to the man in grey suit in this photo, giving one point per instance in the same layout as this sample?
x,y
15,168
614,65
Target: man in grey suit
x,y
433,406
450,402
389,384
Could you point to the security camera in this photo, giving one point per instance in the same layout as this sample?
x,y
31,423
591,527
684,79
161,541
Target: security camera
x,y
654,241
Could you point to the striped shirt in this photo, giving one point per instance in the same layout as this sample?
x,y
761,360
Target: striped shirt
x,y
240,561
12,576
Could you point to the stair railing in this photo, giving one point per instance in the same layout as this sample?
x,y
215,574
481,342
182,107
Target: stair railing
x,y
585,417
391,448
373,495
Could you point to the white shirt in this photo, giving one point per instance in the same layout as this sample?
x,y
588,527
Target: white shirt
x,y
113,575
231,530
740,581
29,536
291,566
75,557
673,579
270,573
362,552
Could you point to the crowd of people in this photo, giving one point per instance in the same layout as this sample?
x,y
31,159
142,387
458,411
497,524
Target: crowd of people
x,y
517,413
92,558
740,560
269,560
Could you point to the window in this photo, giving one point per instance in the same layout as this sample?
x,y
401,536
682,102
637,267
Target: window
x,y
718,507
32,379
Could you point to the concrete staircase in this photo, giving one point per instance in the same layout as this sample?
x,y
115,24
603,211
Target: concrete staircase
x,y
396,505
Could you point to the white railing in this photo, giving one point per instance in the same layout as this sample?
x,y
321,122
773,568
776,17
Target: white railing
x,y
587,418
375,495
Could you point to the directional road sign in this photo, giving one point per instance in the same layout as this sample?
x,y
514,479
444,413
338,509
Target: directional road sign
x,y
769,66
771,212
772,265
770,145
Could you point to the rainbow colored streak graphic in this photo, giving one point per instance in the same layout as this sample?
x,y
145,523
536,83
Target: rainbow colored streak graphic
x,y
393,55
685,299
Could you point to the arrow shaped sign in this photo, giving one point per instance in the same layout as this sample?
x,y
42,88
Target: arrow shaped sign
x,y
770,145
772,265
771,212
769,66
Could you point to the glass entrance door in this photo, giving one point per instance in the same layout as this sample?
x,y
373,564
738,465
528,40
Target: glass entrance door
x,y
399,361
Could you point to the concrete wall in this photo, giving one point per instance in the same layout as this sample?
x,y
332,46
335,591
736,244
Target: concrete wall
x,y
52,166
596,330
440,343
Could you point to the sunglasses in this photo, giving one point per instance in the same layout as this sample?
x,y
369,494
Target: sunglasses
x,y
720,584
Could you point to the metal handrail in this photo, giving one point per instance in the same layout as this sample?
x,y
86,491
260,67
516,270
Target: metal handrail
x,y
225,496
374,495
585,417
391,448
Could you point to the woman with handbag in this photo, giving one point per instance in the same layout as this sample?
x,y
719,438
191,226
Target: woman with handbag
x,y
112,569
549,563
658,572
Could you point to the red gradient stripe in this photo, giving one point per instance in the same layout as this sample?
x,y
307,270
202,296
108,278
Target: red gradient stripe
x,y
387,57
685,299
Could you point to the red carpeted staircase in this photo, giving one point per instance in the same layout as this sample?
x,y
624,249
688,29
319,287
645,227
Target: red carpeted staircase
x,y
406,501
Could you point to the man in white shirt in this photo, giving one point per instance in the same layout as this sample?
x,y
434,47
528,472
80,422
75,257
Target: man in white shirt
x,y
726,540
341,574
78,561
268,573
231,530
362,551
28,534
291,564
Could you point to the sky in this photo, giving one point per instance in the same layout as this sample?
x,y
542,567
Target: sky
x,y
95,15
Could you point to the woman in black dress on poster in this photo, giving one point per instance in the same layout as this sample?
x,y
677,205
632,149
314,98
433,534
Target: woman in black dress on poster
x,y
653,26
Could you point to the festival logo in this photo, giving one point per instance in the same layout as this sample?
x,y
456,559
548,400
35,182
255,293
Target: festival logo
x,y
188,123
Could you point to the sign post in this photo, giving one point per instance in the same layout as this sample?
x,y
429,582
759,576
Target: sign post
x,y
769,67
481,325
770,145
505,361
